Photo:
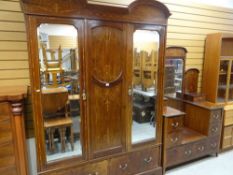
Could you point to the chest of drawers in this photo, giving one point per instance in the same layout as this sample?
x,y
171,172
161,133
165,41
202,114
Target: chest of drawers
x,y
13,159
191,134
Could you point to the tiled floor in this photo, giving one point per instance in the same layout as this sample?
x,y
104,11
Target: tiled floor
x,y
221,165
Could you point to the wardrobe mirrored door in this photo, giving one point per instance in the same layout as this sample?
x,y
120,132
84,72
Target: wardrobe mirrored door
x,y
60,90
144,85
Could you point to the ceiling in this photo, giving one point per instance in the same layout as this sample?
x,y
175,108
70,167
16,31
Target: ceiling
x,y
222,3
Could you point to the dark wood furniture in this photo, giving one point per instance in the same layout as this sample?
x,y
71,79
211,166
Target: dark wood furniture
x,y
217,80
105,55
190,84
191,80
13,152
191,134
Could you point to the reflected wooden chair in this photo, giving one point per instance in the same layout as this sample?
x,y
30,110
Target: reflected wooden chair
x,y
56,118
53,66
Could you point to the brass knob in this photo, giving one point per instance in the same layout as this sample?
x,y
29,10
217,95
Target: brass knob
x,y
213,145
174,140
123,167
188,152
148,160
175,125
202,148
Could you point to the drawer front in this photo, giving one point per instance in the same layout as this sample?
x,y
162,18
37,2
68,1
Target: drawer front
x,y
213,144
215,129
227,137
5,111
145,160
188,152
120,165
228,117
174,156
216,116
8,171
173,139
5,131
91,169
200,148
96,169
7,157
174,123
157,171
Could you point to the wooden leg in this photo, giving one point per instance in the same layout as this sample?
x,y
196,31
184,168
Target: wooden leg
x,y
62,132
52,131
49,138
72,138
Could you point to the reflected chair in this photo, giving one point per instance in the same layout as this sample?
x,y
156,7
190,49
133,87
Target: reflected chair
x,y
56,117
53,66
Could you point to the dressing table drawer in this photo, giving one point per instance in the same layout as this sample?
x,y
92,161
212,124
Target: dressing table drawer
x,y
216,116
173,139
174,123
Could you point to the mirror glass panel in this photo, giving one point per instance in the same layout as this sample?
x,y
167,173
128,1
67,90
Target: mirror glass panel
x,y
60,88
144,85
173,75
224,73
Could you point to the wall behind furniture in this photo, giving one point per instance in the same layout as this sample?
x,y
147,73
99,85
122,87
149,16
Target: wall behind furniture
x,y
187,27
13,45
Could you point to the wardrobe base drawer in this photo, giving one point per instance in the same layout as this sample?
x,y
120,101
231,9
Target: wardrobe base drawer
x,y
145,160
137,162
157,171
99,168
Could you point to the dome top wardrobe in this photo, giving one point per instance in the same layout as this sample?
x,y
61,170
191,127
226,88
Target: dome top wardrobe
x,y
97,86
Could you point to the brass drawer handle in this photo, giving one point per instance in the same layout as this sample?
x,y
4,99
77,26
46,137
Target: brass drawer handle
x,y
148,160
215,129
96,173
188,153
123,167
216,116
213,145
174,140
175,125
202,148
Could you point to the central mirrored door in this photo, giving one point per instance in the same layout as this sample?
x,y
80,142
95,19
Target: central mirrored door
x,y
60,87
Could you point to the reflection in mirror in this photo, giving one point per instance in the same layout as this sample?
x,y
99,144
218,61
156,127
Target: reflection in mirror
x,y
60,88
173,75
145,66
